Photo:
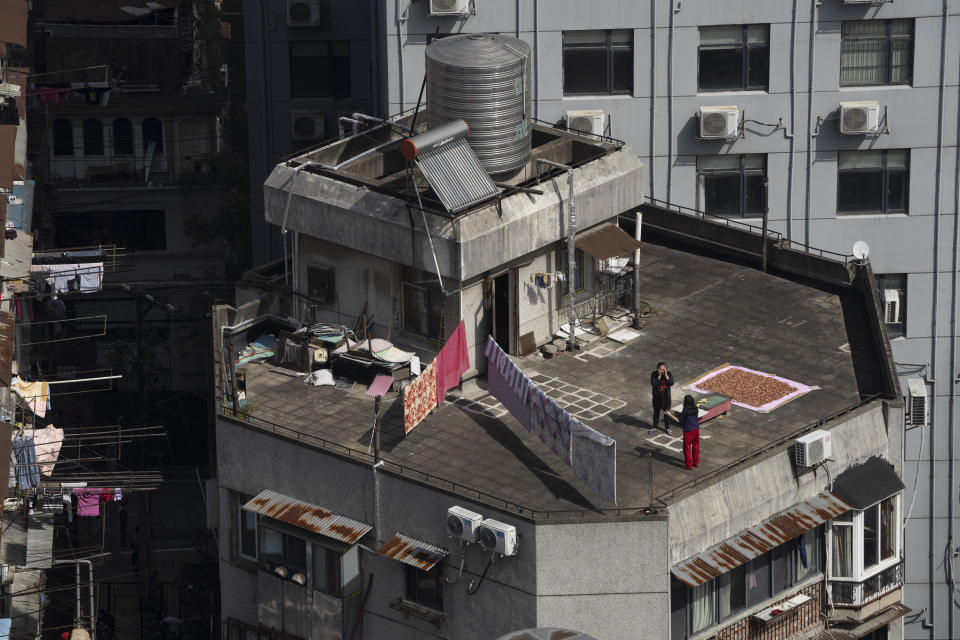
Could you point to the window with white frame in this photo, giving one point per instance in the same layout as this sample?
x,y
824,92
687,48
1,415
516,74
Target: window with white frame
x,y
865,542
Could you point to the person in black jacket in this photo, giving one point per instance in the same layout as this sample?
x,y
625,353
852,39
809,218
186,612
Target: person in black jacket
x,y
660,382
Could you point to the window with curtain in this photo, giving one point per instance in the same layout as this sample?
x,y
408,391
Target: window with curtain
x,y
758,579
734,58
873,182
732,591
598,62
62,130
702,607
876,52
841,562
92,137
888,531
807,555
731,185
152,132
122,137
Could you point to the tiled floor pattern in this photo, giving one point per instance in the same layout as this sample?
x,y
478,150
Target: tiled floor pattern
x,y
582,403
673,443
602,350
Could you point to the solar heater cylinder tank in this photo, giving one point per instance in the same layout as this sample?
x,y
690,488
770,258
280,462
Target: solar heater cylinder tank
x,y
483,79
435,137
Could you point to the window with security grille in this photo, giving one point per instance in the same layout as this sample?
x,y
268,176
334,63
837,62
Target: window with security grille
x,y
321,284
873,181
731,185
734,58
598,62
876,52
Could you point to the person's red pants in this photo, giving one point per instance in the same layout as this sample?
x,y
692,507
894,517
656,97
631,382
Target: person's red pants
x,y
691,448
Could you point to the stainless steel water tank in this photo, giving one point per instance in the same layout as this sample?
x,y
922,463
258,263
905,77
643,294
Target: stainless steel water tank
x,y
485,80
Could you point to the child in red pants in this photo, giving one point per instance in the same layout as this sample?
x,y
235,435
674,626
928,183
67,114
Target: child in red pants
x,y
689,419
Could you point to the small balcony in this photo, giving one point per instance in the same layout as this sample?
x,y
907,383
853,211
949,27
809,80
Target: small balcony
x,y
858,594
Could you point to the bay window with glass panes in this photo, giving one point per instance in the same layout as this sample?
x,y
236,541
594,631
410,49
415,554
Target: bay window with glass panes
x,y
864,553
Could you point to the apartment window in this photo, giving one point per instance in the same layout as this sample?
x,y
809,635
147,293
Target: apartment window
x,y
152,132
892,292
247,532
865,542
92,137
734,58
873,182
773,574
320,283
731,185
122,137
876,52
598,62
320,69
422,309
278,549
424,587
326,570
62,130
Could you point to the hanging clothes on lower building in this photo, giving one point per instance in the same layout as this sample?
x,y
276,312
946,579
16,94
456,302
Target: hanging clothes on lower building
x,y
507,383
88,501
48,442
27,471
452,362
34,394
419,398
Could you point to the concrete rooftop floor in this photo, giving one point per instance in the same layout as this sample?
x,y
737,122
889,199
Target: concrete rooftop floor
x,y
707,312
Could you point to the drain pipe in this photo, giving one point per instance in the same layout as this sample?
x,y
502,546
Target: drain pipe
x,y
938,225
653,98
814,4
673,10
793,116
571,251
536,58
953,328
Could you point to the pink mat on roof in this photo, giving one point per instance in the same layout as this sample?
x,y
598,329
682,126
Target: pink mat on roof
x,y
798,388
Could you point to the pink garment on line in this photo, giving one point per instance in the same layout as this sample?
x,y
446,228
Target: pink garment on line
x,y
47,442
88,501
452,362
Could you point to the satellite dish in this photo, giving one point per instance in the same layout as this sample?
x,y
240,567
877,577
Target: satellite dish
x,y
861,250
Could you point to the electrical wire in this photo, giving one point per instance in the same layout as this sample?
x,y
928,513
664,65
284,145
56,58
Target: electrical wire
x,y
916,482
482,578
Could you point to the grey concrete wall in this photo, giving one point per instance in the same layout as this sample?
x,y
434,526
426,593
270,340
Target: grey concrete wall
x,y
747,497
608,580
250,460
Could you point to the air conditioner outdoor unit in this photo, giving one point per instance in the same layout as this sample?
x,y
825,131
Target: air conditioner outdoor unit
x,y
308,126
891,306
463,523
918,411
812,449
719,123
859,117
303,13
862,1
586,121
498,536
448,7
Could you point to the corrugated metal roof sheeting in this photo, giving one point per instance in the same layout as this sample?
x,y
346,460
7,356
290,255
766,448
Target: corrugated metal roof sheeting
x,y
412,551
307,516
752,542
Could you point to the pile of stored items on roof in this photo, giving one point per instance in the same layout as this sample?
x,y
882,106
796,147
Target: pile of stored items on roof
x,y
329,351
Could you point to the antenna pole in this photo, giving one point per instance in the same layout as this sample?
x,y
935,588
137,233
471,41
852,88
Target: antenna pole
x,y
763,233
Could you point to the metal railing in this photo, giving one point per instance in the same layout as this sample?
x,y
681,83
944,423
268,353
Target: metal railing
x,y
778,237
857,594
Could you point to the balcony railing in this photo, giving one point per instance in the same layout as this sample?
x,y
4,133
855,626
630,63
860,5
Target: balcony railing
x,y
857,594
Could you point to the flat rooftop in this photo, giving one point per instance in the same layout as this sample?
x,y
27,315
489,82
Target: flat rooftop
x,y
708,312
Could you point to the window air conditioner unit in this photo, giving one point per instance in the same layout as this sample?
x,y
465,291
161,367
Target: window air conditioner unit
x,y
719,123
303,13
859,117
448,7
463,523
918,411
499,537
586,121
891,306
308,126
812,449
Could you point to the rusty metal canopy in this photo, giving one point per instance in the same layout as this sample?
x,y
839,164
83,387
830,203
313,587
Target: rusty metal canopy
x,y
751,543
412,551
307,516
609,241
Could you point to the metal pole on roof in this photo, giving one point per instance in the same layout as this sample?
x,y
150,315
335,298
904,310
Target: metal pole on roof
x,y
571,251
763,233
636,272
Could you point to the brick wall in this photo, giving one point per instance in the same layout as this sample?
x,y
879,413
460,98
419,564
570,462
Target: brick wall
x,y
803,617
